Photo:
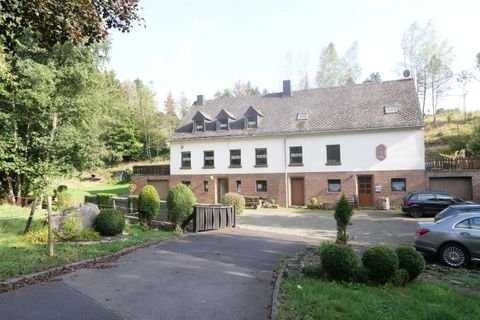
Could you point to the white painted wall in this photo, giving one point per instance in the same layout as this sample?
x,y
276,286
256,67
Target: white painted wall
x,y
405,151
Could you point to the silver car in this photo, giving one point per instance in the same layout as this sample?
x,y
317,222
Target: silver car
x,y
455,239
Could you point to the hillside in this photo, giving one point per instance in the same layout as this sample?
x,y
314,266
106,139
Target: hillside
x,y
451,127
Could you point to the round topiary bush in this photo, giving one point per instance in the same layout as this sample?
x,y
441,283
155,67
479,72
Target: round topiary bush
x,y
180,202
381,263
236,200
338,261
401,278
110,222
410,260
148,204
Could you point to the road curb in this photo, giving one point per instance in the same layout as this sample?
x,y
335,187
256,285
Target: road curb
x,y
276,292
48,274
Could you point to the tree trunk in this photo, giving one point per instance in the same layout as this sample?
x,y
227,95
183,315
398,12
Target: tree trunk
x,y
11,193
30,217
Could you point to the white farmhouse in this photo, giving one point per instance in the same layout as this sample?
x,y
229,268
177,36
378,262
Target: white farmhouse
x,y
365,140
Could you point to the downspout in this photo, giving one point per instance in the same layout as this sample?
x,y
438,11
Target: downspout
x,y
285,169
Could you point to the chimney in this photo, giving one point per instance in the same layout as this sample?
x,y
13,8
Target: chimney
x,y
287,90
200,100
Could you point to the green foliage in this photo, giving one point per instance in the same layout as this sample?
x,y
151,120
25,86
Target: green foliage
x,y
381,263
236,200
90,199
338,262
133,203
65,200
401,278
148,204
180,204
411,261
360,274
90,235
313,270
313,202
110,222
343,214
36,236
70,229
104,200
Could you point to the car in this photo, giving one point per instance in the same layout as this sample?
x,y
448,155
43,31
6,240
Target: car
x,y
456,209
455,240
418,204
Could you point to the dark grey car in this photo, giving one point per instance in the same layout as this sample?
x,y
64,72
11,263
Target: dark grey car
x,y
455,239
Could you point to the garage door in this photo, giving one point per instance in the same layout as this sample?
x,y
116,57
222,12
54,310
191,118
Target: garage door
x,y
460,187
161,186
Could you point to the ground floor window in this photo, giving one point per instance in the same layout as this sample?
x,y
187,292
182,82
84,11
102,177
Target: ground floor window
x,y
399,184
239,186
205,186
187,183
334,185
261,185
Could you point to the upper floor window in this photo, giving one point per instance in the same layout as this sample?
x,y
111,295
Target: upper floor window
x,y
261,157
296,155
252,122
208,159
235,158
186,159
333,154
223,124
199,125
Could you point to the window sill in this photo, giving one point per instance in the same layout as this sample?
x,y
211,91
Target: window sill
x,y
262,191
235,166
208,167
333,164
295,164
260,166
185,168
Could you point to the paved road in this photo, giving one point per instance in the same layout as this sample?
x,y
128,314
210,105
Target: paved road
x,y
214,275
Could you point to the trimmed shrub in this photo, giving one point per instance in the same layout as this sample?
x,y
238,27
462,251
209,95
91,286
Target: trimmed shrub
x,y
343,214
338,262
65,200
236,200
90,199
410,260
381,263
104,200
180,202
360,274
312,203
401,278
132,203
148,204
110,222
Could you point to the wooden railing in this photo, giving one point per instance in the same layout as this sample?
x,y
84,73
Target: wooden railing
x,y
211,217
152,170
453,165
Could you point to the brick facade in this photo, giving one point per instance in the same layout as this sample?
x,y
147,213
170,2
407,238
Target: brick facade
x,y
316,185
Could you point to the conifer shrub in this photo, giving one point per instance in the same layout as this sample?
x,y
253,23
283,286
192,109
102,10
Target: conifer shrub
x,y
410,260
339,261
148,204
343,214
180,202
381,263
110,222
236,200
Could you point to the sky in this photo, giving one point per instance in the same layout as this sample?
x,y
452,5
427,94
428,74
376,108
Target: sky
x,y
199,47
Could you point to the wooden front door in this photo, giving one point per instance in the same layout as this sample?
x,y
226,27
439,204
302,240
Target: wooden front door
x,y
297,192
222,189
365,191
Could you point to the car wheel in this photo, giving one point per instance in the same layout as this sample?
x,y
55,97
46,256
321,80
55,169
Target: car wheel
x,y
454,255
416,212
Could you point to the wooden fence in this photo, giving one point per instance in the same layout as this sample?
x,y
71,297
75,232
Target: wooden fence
x,y
152,170
212,218
453,165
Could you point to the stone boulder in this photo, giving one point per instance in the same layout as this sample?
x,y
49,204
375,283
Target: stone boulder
x,y
86,213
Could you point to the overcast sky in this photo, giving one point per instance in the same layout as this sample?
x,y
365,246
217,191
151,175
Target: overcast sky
x,y
199,47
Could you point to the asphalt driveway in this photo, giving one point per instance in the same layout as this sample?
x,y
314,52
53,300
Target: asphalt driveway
x,y
211,275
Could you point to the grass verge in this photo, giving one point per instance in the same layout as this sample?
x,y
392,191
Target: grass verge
x,y
18,257
309,298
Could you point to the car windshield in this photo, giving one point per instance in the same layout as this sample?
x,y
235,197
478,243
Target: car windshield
x,y
442,219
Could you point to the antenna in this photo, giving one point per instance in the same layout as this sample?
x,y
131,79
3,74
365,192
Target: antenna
x,y
406,73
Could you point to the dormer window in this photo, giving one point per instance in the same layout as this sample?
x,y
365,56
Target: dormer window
x,y
223,118
223,124
252,122
199,125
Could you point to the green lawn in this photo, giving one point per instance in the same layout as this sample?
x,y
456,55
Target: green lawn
x,y
309,298
18,257
81,189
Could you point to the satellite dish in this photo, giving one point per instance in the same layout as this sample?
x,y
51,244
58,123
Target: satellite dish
x,y
406,73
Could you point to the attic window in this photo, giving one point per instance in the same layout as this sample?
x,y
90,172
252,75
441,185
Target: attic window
x,y
199,125
390,109
252,122
302,116
223,124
